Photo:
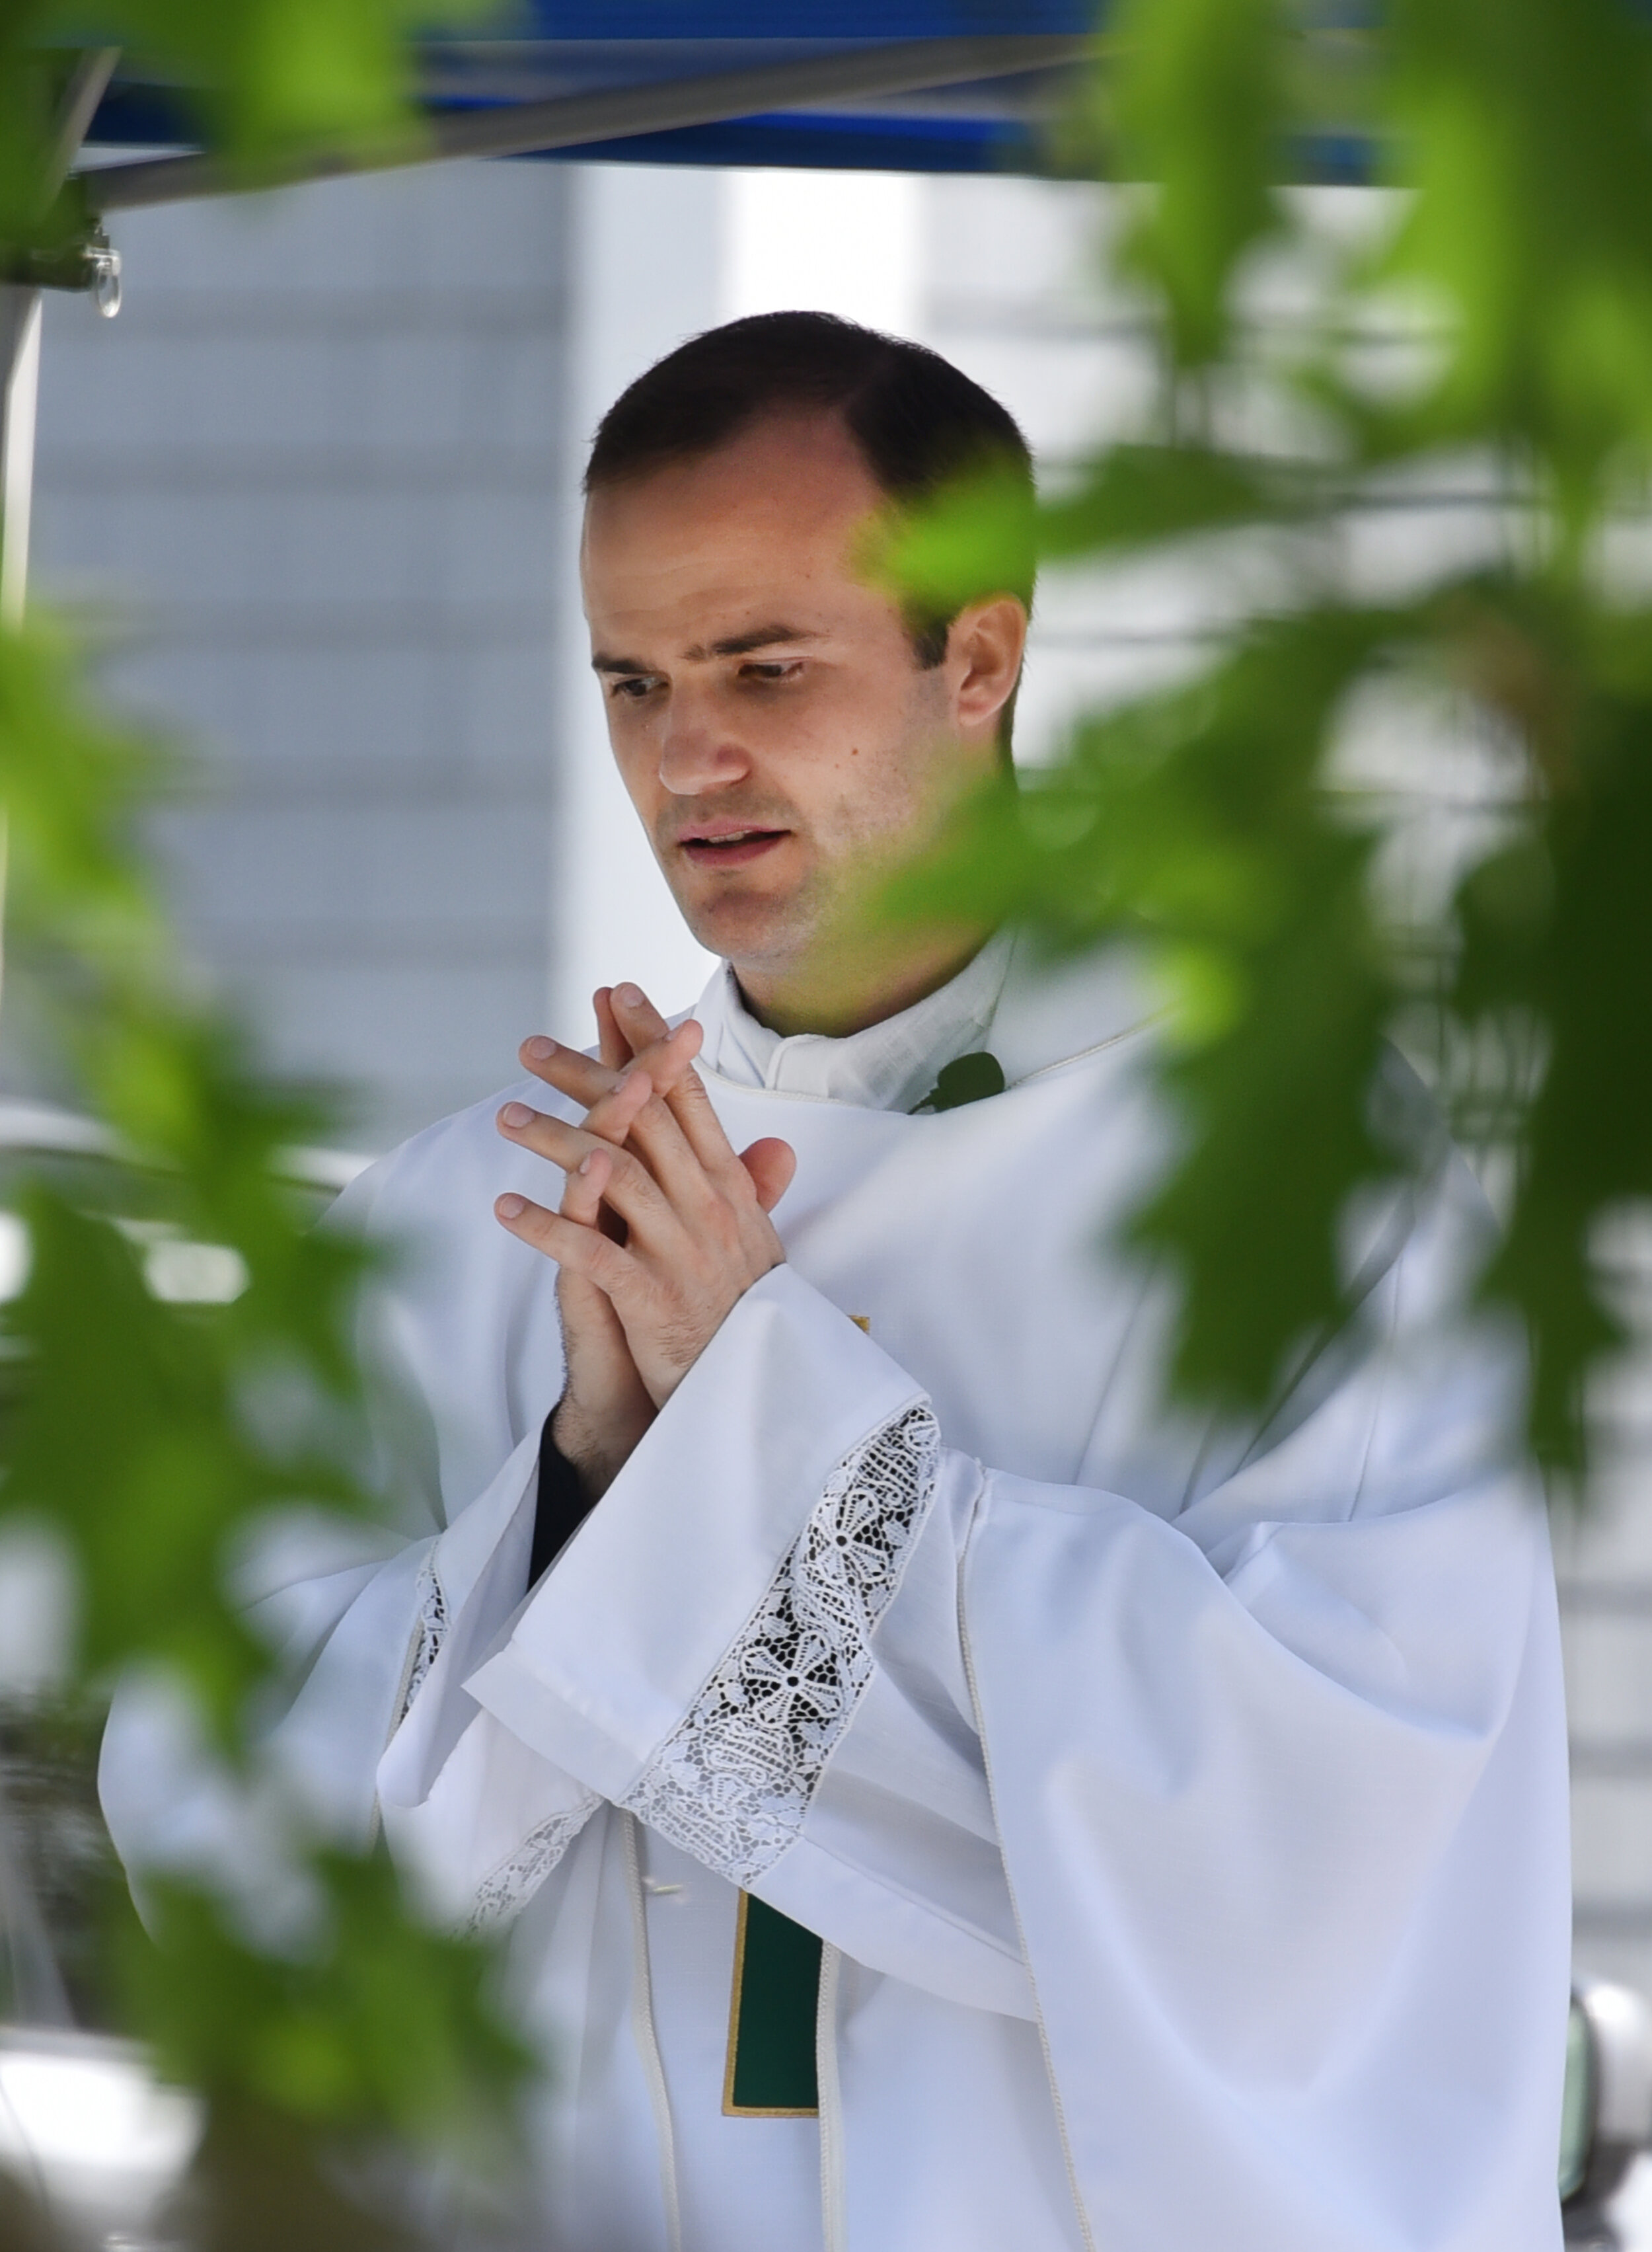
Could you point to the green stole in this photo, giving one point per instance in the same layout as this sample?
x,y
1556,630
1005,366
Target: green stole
x,y
771,2021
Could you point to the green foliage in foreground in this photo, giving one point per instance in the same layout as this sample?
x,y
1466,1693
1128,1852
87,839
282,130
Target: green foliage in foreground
x,y
269,83
1210,822
132,1422
148,1434
148,1431
378,2022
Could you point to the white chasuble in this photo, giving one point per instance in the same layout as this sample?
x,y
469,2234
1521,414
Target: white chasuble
x,y
1181,1806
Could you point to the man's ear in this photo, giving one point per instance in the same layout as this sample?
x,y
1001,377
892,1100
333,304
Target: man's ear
x,y
984,650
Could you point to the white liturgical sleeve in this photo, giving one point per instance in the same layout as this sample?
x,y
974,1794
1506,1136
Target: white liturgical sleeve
x,y
1247,1807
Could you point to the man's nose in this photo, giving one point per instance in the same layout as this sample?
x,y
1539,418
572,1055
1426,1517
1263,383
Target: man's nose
x,y
697,751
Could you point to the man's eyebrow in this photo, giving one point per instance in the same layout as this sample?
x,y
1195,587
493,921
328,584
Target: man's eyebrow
x,y
760,638
769,637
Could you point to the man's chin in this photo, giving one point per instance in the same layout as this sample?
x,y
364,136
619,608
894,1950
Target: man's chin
x,y
745,927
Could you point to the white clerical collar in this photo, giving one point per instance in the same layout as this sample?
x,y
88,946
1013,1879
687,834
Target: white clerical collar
x,y
891,1066
1032,1015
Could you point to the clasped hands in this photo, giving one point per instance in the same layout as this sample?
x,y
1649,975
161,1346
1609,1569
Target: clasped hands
x,y
660,1228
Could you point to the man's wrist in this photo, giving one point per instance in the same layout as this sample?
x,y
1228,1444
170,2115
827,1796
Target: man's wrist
x,y
591,1452
576,1469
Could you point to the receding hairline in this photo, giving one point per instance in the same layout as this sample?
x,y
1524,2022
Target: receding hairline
x,y
776,415
916,418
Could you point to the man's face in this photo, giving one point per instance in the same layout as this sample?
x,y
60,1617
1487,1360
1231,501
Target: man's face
x,y
766,709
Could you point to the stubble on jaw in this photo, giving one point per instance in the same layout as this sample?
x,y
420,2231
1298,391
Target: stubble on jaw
x,y
820,956
747,925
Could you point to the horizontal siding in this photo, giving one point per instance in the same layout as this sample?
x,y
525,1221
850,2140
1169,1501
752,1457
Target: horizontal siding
x,y
307,488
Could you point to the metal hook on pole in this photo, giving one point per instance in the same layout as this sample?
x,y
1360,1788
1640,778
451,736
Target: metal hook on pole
x,y
105,262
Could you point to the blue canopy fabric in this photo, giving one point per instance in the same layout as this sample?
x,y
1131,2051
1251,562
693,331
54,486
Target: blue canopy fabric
x,y
561,50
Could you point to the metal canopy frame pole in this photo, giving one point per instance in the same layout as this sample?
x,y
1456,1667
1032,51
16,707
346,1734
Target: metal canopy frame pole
x,y
19,390
569,121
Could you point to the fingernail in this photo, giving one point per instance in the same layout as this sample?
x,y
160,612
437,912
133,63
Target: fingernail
x,y
587,1161
516,1114
540,1048
629,997
511,1207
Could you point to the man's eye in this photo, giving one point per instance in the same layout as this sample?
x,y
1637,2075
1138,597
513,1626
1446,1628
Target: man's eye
x,y
772,669
633,686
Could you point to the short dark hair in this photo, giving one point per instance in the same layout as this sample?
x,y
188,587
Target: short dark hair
x,y
921,423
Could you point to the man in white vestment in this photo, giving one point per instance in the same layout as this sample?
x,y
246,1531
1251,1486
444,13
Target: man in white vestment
x,y
943,1798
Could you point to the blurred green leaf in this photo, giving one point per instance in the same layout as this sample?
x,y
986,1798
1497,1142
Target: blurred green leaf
x,y
378,2022
1492,323
976,537
1560,924
269,82
1521,131
1194,824
140,1428
1135,494
126,1422
1200,111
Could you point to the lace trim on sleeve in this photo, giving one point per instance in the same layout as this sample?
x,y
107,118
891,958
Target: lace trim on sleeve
x,y
430,1631
505,1891
732,1783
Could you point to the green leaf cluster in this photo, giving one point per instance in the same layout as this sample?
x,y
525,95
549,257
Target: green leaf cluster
x,y
1211,823
150,1433
126,1416
373,2023
149,1427
268,85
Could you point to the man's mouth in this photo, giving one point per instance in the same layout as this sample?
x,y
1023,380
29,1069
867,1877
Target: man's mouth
x,y
729,848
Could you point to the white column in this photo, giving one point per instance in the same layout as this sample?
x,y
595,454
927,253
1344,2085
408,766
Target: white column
x,y
848,243
646,257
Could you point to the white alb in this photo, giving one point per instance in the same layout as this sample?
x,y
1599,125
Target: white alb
x,y
1181,1802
